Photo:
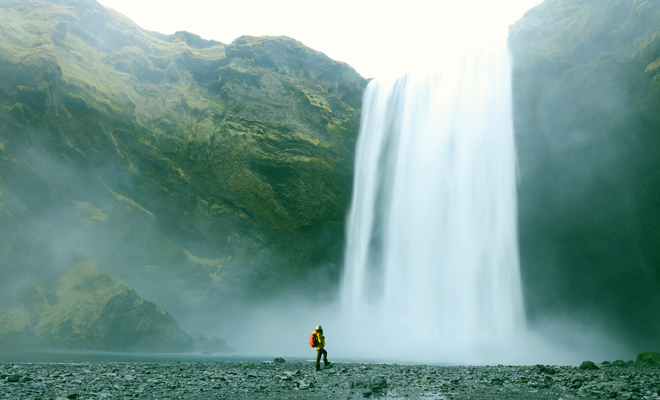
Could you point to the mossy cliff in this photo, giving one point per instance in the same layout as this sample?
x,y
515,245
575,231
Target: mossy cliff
x,y
199,172
586,87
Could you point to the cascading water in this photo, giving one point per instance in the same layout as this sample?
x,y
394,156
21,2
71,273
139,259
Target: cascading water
x,y
432,251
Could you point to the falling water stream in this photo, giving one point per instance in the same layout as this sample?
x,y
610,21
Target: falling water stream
x,y
432,251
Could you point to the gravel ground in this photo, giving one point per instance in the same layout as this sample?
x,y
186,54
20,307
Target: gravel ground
x,y
297,380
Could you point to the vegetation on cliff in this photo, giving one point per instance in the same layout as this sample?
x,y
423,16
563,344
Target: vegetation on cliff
x,y
587,112
197,171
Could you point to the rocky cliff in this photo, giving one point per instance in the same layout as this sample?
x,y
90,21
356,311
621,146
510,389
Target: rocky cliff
x,y
586,87
195,171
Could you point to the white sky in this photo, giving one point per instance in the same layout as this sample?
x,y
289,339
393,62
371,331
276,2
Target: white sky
x,y
377,38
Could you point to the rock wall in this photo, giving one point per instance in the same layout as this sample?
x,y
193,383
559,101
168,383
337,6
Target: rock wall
x,y
200,172
587,120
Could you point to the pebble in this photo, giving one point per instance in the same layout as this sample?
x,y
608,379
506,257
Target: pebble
x,y
298,380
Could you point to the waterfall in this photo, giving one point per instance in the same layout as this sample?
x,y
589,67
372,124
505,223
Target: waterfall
x,y
432,230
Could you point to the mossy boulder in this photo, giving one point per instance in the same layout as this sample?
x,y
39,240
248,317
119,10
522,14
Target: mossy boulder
x,y
648,357
586,101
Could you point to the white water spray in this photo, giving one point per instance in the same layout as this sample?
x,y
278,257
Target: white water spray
x,y
432,253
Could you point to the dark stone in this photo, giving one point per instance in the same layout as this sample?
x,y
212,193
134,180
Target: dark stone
x,y
619,363
649,357
588,365
378,384
367,393
13,378
545,369
279,360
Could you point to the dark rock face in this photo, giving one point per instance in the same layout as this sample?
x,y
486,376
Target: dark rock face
x,y
223,171
586,99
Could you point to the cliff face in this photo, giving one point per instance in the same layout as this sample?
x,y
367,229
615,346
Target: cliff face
x,y
586,87
196,171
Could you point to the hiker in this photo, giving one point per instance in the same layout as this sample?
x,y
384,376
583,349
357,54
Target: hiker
x,y
317,341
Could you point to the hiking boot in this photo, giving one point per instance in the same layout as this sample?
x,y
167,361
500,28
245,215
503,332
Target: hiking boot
x,y
317,369
327,364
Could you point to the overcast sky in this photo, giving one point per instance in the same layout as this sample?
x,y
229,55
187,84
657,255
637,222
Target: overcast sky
x,y
377,38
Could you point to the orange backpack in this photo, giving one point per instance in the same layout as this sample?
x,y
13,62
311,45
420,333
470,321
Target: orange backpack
x,y
313,341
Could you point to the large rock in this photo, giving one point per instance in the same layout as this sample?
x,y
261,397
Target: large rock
x,y
648,357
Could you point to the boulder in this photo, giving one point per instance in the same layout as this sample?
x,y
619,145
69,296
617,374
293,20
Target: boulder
x,y
648,357
588,365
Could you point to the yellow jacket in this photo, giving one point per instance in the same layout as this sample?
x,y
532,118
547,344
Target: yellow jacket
x,y
320,339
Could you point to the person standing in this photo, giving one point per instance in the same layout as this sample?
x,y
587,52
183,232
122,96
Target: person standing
x,y
317,341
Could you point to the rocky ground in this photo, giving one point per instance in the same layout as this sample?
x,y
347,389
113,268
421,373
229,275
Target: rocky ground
x,y
297,380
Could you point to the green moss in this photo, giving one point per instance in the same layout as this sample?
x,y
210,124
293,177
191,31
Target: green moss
x,y
15,320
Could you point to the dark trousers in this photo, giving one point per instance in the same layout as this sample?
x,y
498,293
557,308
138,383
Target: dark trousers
x,y
318,358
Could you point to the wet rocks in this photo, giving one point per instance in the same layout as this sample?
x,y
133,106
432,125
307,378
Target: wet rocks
x,y
297,380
